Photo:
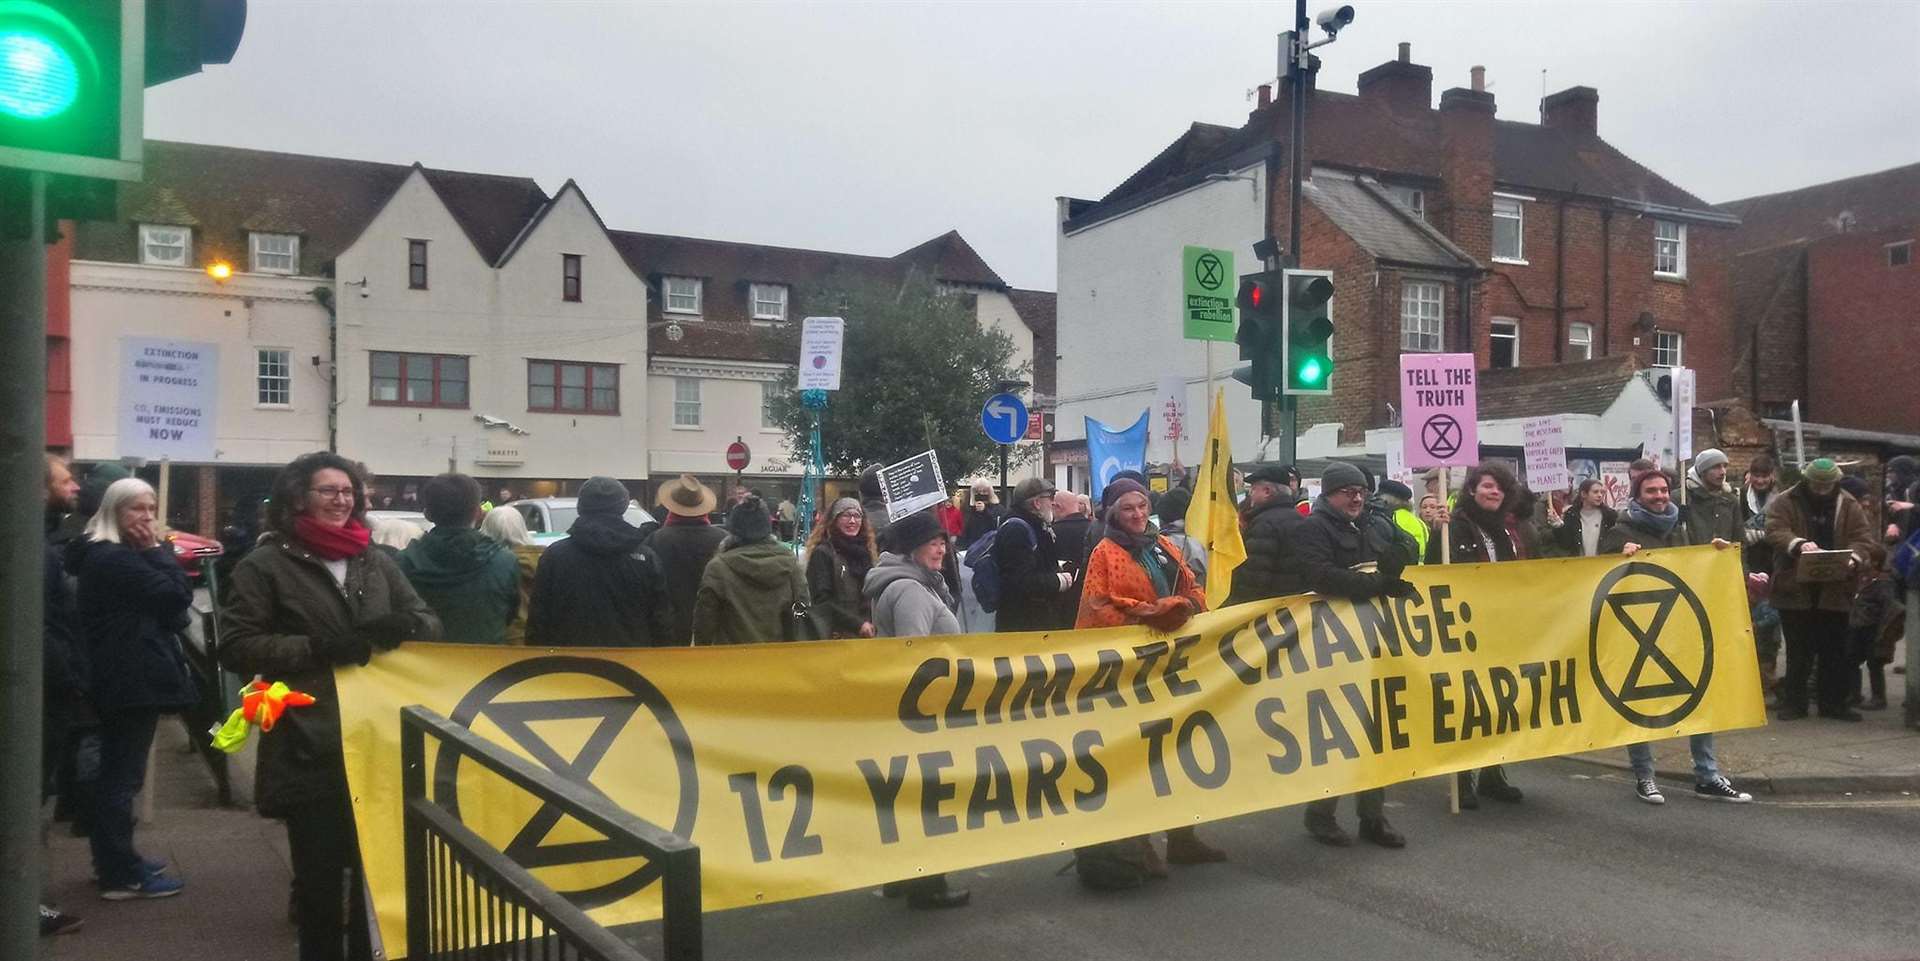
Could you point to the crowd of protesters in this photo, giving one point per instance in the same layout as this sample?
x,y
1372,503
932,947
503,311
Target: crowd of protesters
x,y
319,587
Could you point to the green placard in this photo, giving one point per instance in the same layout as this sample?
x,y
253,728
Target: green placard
x,y
1207,289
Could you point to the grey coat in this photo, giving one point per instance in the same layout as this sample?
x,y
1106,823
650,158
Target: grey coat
x,y
909,600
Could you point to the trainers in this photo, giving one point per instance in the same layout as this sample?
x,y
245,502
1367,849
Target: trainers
x,y
148,868
1649,792
54,921
1721,790
153,886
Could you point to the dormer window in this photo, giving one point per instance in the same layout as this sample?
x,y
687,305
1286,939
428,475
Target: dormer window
x,y
770,302
165,246
682,295
1412,198
275,253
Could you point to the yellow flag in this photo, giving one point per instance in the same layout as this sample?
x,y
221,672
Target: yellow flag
x,y
1213,519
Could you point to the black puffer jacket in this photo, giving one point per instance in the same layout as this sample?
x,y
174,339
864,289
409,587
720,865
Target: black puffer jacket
x,y
133,605
1321,551
601,587
1264,574
1029,576
286,619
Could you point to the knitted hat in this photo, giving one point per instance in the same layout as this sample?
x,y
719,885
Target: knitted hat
x,y
1640,481
1822,472
1174,504
1854,485
842,506
1119,487
749,521
909,532
603,495
1341,474
1707,460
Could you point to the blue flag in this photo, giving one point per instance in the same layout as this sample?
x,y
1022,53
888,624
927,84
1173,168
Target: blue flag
x,y
1111,451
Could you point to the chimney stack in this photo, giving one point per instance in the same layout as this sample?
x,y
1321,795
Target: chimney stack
x,y
1266,94
1575,110
1479,79
1403,86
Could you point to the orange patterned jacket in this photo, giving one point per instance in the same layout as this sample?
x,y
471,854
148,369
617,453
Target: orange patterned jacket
x,y
1117,587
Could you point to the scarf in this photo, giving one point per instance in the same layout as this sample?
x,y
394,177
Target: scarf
x,y
1661,523
853,553
1145,550
331,543
1820,512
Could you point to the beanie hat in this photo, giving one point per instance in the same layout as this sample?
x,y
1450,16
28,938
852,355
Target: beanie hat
x,y
749,521
1707,460
907,534
1822,471
1854,485
870,482
1394,489
1640,481
1341,474
842,506
94,489
603,495
1119,487
1174,504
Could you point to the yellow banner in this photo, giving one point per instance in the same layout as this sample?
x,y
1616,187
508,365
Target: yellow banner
x,y
805,769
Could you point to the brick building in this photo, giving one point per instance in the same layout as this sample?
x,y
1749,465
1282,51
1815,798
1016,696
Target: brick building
x,y
1526,244
1827,295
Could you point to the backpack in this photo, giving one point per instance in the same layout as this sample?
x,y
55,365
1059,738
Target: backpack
x,y
1906,558
986,567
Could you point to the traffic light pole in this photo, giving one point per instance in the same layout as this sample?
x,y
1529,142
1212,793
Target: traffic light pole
x,y
1297,116
23,382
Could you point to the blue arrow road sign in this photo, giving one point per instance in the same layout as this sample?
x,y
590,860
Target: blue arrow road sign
x,y
1004,418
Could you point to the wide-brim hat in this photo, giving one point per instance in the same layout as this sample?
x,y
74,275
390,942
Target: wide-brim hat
x,y
687,497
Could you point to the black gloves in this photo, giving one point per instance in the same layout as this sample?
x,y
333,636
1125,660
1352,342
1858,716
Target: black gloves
x,y
1400,587
387,631
351,648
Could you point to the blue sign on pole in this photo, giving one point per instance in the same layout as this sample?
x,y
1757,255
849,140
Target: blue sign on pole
x,y
1004,418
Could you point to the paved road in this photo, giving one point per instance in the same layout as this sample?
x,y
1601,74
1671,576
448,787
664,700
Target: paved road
x,y
1580,870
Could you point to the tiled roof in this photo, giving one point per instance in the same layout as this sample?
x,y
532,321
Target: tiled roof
x,y
727,271
1036,309
1359,133
1581,387
1365,212
1867,204
228,191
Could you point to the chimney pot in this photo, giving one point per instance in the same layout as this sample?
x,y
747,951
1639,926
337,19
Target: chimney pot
x,y
1406,52
1479,79
1266,94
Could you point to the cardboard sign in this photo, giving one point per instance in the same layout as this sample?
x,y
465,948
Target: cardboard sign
x,y
169,396
1170,414
1440,395
1208,286
1546,453
820,340
913,485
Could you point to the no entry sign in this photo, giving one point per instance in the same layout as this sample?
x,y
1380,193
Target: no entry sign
x,y
1439,393
738,455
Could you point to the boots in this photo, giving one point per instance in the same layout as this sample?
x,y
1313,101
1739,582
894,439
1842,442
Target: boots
x,y
1468,802
1185,847
1493,784
1380,832
1324,829
1877,681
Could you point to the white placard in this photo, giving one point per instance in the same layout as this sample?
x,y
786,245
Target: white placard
x,y
1170,415
169,398
913,485
1397,466
820,339
1683,401
1546,454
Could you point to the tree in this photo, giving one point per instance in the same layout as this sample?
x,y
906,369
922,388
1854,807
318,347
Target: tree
x,y
915,368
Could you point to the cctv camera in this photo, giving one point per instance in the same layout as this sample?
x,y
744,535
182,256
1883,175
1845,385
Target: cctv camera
x,y
363,291
1333,19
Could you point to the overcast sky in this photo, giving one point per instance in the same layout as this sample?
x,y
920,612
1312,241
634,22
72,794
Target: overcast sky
x,y
870,127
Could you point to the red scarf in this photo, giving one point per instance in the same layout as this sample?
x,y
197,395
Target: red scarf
x,y
332,543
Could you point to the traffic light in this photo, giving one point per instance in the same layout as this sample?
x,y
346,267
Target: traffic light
x,y
1307,347
1262,330
70,86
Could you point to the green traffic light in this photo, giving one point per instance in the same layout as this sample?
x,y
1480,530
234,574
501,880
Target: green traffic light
x,y
38,77
1311,371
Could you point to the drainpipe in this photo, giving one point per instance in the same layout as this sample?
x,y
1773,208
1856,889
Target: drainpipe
x,y
1560,283
324,297
1606,281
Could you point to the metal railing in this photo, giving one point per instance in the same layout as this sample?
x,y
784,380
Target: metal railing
x,y
467,899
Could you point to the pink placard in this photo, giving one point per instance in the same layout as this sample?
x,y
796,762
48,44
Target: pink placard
x,y
1440,399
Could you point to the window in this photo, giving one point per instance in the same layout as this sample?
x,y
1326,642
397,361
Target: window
x,y
1579,341
1508,217
769,302
686,402
1412,198
1505,346
570,277
273,378
770,392
1666,348
275,253
165,246
1900,254
1669,248
573,388
1420,303
683,295
418,380
416,265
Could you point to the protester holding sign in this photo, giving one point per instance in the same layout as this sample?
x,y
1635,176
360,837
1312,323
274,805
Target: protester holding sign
x,y
1812,515
839,555
311,597
1136,576
1479,534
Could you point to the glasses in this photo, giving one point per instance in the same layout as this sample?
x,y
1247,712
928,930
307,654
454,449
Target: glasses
x,y
332,493
1350,492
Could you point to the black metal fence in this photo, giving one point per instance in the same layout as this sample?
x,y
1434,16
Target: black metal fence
x,y
466,899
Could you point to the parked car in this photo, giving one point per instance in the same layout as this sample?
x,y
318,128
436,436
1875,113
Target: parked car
x,y
192,549
548,518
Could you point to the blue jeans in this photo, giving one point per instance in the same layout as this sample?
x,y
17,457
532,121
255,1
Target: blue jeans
x,y
124,740
1705,769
